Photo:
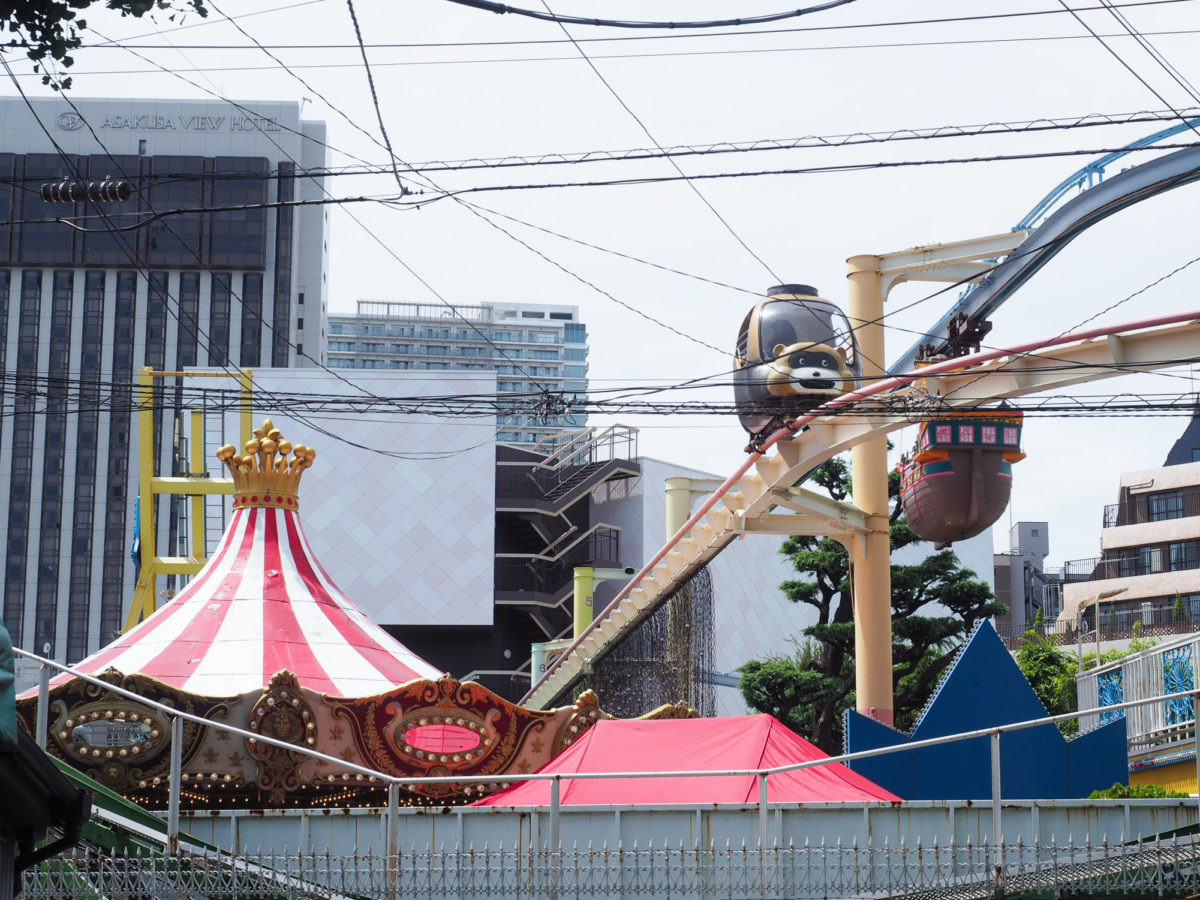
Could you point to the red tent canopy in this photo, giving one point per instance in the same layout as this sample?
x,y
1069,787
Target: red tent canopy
x,y
739,742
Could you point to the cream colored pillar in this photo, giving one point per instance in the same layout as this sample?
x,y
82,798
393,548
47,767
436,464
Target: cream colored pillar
x,y
679,503
871,558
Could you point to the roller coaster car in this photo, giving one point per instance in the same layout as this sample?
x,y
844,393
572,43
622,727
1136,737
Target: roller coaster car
x,y
794,352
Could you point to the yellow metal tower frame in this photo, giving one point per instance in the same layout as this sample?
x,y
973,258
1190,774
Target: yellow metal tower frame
x,y
195,485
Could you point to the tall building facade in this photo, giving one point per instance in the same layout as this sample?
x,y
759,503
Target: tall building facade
x,y
204,265
538,352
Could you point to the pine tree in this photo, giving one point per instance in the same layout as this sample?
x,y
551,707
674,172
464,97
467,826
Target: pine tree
x,y
935,604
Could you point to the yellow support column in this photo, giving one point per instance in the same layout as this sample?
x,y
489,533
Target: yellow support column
x,y
143,595
871,558
199,538
679,503
247,379
585,590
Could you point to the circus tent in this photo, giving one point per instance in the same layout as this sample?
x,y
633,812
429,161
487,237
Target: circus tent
x,y
694,745
262,604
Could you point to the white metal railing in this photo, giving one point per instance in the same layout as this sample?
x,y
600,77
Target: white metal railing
x,y
1142,677
958,868
394,782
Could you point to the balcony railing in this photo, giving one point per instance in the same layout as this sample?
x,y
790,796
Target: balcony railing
x,y
1146,561
1152,508
549,576
1115,625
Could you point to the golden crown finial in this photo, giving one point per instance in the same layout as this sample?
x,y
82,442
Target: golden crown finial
x,y
265,476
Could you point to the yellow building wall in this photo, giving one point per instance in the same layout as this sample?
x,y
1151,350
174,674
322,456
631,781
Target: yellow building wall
x,y
1180,776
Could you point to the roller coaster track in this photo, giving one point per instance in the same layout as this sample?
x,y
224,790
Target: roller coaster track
x,y
1058,229
747,501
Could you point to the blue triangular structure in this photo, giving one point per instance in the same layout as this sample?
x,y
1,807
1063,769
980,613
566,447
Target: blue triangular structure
x,y
984,688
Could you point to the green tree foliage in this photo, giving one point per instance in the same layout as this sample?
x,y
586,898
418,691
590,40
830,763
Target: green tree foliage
x,y
1051,668
935,604
1135,792
1051,672
49,30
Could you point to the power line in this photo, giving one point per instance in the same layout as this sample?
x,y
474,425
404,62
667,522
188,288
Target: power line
x,y
475,211
758,51
1118,58
125,44
445,194
646,131
1090,120
490,6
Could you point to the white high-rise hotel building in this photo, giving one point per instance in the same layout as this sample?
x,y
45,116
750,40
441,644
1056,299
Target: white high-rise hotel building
x,y
81,311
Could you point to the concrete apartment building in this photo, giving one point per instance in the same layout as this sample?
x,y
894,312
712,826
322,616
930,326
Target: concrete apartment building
x,y
82,311
1149,568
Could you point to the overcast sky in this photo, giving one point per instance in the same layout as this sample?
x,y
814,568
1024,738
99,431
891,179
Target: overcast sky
x,y
455,83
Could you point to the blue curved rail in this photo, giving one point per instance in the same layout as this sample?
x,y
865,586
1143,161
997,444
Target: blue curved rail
x,y
1064,225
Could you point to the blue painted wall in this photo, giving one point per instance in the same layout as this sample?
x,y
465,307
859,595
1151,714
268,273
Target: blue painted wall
x,y
985,688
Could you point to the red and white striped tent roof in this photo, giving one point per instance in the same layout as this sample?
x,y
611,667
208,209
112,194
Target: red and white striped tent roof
x,y
262,604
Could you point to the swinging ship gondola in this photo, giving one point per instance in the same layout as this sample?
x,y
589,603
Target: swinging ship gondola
x,y
958,479
794,352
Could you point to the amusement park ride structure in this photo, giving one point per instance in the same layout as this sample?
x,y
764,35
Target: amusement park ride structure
x,y
748,501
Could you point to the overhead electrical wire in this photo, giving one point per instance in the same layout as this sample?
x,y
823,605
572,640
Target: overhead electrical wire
x,y
673,54
408,268
808,142
1178,77
125,43
1117,56
501,8
474,211
646,131
425,200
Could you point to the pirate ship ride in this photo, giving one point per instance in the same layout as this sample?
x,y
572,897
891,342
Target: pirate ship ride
x,y
263,639
958,479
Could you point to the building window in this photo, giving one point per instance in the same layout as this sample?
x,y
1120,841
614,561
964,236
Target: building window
x,y
1184,555
564,316
1167,505
966,434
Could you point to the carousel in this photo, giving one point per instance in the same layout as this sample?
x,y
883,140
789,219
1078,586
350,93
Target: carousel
x,y
262,639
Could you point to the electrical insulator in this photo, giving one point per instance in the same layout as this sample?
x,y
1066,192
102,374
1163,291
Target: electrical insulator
x,y
72,191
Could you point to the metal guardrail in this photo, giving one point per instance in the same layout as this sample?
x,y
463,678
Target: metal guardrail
x,y
177,717
1120,626
1136,510
956,869
1152,560
548,574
